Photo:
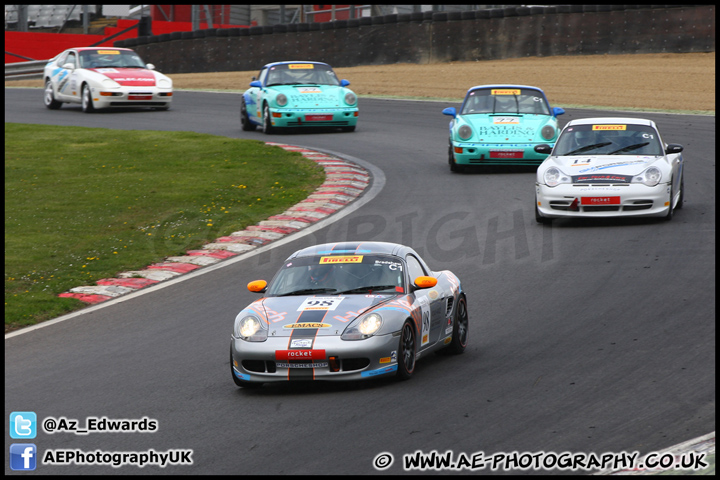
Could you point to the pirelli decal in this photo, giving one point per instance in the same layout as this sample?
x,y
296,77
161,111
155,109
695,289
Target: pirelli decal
x,y
341,259
609,127
505,91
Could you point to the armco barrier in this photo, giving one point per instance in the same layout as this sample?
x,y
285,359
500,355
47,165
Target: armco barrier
x,y
25,70
434,37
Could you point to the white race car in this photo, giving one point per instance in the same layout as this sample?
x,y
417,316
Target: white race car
x,y
104,77
609,167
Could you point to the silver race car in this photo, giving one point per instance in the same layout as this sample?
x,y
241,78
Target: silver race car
x,y
347,311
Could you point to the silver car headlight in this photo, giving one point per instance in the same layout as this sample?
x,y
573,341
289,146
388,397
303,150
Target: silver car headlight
x,y
650,177
281,100
364,327
465,132
350,98
250,329
110,83
554,177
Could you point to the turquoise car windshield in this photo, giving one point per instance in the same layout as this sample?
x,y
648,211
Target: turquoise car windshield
x,y
607,139
505,100
301,74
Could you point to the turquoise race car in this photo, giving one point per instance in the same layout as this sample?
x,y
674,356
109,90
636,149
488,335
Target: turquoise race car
x,y
501,125
298,94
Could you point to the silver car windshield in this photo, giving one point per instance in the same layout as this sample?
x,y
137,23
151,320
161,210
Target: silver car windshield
x,y
339,274
110,58
301,74
608,139
505,100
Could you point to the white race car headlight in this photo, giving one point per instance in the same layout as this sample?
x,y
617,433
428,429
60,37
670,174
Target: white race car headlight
x,y
650,177
554,177
250,329
164,83
465,132
350,98
364,327
110,83
281,100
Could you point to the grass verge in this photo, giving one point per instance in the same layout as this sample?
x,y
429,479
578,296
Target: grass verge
x,y
82,204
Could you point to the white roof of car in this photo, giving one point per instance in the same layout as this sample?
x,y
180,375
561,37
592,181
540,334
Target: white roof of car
x,y
611,120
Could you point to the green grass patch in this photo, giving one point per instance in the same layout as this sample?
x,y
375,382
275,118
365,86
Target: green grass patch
x,y
83,204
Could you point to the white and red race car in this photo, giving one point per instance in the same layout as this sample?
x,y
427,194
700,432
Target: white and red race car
x,y
104,77
609,167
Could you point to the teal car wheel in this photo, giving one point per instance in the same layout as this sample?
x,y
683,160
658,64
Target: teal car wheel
x,y
454,167
245,122
267,121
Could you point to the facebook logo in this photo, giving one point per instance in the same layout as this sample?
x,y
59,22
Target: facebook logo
x,y
23,425
23,456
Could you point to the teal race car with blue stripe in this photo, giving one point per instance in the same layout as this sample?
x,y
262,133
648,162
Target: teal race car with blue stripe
x,y
298,94
501,125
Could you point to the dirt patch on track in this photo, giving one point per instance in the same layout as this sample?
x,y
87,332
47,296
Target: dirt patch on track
x,y
664,81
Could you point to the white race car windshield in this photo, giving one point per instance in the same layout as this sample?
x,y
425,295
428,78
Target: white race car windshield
x,y
608,139
110,58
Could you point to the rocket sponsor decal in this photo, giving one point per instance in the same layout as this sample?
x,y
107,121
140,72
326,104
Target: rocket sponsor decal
x,y
300,354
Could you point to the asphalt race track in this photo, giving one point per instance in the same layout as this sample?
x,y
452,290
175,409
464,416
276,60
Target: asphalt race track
x,y
584,336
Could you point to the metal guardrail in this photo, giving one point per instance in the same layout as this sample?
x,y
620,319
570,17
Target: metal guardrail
x,y
25,70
